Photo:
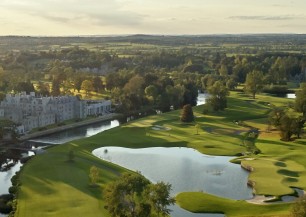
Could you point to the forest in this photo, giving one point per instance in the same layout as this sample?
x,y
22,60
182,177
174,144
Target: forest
x,y
143,73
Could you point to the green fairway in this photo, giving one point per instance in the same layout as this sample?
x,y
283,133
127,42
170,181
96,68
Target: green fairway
x,y
51,186
200,202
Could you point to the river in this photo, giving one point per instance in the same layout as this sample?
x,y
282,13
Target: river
x,y
13,159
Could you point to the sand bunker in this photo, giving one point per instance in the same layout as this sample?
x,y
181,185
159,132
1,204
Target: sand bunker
x,y
158,127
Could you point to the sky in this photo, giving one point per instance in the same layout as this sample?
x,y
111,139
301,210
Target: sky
x,y
165,17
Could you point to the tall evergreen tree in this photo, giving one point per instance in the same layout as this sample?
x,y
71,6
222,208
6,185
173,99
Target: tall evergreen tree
x,y
187,114
300,100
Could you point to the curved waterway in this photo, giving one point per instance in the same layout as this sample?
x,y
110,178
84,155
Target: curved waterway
x,y
77,133
57,138
185,169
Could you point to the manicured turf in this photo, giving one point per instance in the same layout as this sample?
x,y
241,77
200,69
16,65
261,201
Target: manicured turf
x,y
200,202
51,186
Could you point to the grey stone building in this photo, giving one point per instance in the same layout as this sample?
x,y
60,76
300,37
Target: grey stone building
x,y
31,111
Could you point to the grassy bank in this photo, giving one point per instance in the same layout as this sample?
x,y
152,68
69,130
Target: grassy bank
x,y
51,186
198,202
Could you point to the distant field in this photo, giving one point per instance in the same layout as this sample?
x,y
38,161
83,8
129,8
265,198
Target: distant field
x,y
232,44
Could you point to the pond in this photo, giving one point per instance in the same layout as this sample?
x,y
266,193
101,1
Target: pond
x,y
284,95
202,98
290,95
185,169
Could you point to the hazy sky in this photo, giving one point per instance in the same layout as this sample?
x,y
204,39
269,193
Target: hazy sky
x,y
104,17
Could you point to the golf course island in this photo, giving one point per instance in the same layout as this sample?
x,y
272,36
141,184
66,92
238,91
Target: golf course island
x,y
57,183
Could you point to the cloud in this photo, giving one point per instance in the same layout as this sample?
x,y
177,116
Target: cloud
x,y
282,17
95,12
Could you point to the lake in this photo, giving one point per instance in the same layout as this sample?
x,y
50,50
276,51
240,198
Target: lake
x,y
185,169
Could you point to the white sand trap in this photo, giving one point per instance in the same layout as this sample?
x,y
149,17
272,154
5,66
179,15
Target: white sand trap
x,y
158,127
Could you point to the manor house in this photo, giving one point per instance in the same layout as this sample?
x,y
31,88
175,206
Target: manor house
x,y
31,111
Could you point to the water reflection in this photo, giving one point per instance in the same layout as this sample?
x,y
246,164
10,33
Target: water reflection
x,y
291,95
10,164
77,133
10,159
186,169
202,98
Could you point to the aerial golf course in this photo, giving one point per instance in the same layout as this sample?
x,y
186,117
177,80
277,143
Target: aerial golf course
x,y
53,186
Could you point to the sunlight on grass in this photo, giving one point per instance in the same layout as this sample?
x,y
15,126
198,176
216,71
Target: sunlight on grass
x,y
50,184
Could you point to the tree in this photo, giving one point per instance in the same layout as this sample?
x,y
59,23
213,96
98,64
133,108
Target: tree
x,y
134,85
290,126
133,196
8,127
43,89
299,207
124,196
159,196
97,84
300,121
56,87
276,115
87,86
24,86
93,175
151,91
187,114
254,82
77,82
300,100
231,84
2,78
223,71
287,125
217,99
66,87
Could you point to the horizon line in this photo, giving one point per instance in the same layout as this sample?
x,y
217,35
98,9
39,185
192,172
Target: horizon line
x,y
141,34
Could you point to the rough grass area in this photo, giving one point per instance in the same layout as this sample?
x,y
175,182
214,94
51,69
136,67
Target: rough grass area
x,y
51,186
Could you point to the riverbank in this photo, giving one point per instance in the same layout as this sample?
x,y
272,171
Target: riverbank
x,y
59,186
98,119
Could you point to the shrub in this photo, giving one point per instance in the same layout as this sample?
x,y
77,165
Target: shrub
x,y
299,207
5,203
13,189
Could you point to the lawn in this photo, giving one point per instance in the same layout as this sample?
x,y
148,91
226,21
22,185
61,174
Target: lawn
x,y
51,186
200,202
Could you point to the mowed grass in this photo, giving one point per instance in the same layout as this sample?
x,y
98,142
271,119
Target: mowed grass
x,y
51,186
200,202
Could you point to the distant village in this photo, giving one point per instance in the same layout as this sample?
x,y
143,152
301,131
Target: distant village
x,y
30,111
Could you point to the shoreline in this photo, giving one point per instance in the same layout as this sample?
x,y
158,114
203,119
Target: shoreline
x,y
262,199
69,126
